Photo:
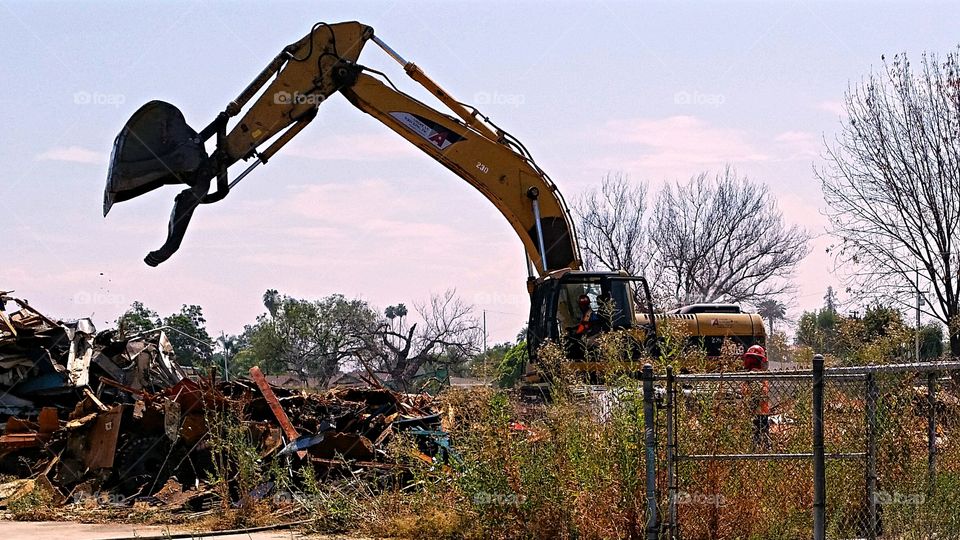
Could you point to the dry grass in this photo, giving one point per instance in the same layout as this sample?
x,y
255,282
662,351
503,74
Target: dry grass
x,y
574,467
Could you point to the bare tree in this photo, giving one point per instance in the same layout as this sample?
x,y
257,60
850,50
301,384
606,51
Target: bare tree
x,y
892,186
722,238
612,224
448,333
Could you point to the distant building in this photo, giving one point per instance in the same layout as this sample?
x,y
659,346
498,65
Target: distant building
x,y
290,380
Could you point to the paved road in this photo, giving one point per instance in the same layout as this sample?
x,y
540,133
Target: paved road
x,y
65,530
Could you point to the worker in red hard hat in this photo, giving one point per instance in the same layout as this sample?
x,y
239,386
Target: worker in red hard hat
x,y
757,394
588,317
755,358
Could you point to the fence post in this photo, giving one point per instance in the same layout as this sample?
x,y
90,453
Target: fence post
x,y
671,456
871,410
819,470
931,432
651,453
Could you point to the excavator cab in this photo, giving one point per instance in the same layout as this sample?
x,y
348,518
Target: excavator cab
x,y
556,314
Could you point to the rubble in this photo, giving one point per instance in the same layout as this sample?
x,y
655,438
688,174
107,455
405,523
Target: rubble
x,y
103,419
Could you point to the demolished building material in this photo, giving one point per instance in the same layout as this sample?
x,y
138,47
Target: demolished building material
x,y
101,418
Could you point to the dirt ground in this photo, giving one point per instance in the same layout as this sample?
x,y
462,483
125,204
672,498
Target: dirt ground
x,y
65,530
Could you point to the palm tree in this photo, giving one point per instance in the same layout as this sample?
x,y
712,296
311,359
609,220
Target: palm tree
x,y
271,301
401,311
772,310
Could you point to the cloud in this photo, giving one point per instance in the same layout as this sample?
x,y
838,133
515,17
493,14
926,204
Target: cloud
x,y
797,144
680,142
403,229
73,154
360,147
830,106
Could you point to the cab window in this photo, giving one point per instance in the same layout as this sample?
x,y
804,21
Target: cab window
x,y
568,310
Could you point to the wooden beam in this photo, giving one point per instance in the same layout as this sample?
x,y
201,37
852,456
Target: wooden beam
x,y
274,403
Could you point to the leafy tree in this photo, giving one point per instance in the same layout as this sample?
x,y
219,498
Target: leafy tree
x,y
234,353
138,318
931,341
272,300
880,321
192,344
830,300
310,338
879,335
485,364
825,330
816,328
511,367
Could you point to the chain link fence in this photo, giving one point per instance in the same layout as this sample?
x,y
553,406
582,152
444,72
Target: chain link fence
x,y
853,452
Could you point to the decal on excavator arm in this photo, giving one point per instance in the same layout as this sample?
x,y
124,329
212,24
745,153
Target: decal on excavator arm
x,y
429,130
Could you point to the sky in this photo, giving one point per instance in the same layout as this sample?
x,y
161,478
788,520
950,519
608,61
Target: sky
x,y
658,91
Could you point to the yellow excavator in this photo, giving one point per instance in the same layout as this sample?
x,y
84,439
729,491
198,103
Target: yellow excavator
x,y
157,147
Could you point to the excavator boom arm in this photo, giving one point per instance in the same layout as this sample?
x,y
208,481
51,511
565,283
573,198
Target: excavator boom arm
x,y
157,147
510,181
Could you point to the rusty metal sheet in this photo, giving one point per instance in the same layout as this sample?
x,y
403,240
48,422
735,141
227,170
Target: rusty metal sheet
x,y
348,445
101,441
49,422
11,441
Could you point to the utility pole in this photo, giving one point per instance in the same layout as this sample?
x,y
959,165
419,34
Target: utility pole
x,y
223,345
484,330
916,334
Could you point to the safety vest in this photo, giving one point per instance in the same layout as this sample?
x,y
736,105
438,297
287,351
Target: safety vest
x,y
586,321
758,393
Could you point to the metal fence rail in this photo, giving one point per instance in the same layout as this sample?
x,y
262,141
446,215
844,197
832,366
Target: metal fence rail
x,y
846,452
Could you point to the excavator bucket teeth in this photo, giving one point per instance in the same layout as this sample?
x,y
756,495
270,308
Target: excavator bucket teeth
x,y
155,147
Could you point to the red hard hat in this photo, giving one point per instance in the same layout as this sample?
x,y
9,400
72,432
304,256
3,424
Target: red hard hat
x,y
757,351
755,358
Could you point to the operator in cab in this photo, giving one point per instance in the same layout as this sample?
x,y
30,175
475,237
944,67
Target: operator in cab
x,y
589,320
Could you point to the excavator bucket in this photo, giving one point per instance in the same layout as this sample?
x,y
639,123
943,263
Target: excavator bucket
x,y
155,147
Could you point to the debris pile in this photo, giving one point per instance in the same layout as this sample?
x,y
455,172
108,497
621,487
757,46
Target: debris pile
x,y
115,420
52,363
